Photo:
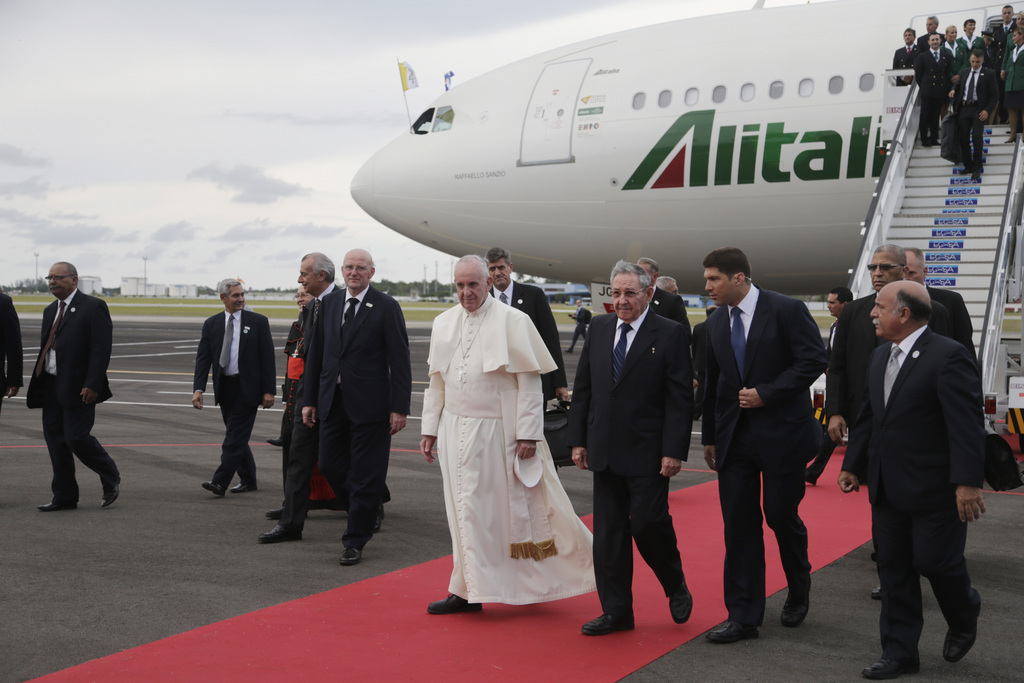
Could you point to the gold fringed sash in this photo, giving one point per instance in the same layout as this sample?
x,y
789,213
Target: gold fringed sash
x,y
534,551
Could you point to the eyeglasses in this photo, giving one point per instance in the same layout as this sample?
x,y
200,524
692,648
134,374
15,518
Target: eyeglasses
x,y
886,267
628,294
48,278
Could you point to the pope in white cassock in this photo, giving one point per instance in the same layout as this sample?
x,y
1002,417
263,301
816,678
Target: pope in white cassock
x,y
515,536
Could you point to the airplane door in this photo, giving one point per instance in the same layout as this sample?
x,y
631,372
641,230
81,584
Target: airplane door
x,y
547,127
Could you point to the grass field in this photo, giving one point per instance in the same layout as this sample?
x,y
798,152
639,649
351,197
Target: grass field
x,y
285,309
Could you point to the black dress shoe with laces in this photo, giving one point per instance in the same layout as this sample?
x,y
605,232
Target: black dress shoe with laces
x,y
275,442
605,624
53,507
795,610
215,489
276,513
110,496
680,604
884,669
731,632
243,488
279,534
453,604
350,556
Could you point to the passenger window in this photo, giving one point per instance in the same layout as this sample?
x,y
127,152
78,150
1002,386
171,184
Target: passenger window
x,y
691,97
747,92
422,125
639,100
718,94
443,121
806,87
835,85
664,98
775,90
867,82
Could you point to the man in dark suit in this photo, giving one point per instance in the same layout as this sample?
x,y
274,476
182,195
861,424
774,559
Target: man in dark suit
x,y
905,56
238,346
920,439
836,301
582,317
764,352
961,327
975,99
699,348
533,302
663,303
931,29
358,381
316,276
10,349
69,379
630,425
931,68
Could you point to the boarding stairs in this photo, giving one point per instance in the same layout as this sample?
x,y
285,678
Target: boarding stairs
x,y
969,230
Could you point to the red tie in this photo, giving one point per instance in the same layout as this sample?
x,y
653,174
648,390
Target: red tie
x,y
41,363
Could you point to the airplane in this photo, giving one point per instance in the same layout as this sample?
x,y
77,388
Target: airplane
x,y
666,141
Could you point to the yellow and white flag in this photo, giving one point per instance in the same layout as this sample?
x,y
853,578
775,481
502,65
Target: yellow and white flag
x,y
408,76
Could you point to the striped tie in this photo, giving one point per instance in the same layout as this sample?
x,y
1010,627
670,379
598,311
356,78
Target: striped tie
x,y
620,352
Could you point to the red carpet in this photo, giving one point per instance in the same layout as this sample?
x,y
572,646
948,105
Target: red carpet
x,y
314,638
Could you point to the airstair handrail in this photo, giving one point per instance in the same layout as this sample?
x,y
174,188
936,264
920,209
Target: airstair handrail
x,y
889,191
991,332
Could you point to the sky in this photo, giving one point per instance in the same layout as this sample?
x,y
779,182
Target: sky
x,y
201,139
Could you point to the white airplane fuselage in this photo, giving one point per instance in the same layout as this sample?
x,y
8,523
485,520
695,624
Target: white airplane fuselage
x,y
555,158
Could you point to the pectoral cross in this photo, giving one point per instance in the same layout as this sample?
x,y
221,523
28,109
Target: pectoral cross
x,y
462,368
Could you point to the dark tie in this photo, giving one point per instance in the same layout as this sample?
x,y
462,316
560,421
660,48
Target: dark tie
x,y
970,88
739,341
503,298
908,50
620,352
351,311
936,56
316,313
49,340
229,338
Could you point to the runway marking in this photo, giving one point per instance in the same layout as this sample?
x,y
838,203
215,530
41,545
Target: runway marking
x,y
152,381
169,341
154,355
149,372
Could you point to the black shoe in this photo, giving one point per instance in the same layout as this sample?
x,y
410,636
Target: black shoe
x,y
276,442
110,496
276,513
680,604
887,668
976,175
811,478
795,610
958,644
453,604
876,593
731,632
380,518
280,534
243,488
215,489
350,556
606,624
53,507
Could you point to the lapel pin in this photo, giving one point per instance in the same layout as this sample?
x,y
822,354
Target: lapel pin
x,y
652,349
72,309
915,354
519,301
368,305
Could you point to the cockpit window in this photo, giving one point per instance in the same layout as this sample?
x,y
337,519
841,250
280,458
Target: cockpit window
x,y
422,125
443,120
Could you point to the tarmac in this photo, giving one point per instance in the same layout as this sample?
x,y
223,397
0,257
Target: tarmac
x,y
168,556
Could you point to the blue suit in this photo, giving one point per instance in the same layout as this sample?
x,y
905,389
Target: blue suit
x,y
784,356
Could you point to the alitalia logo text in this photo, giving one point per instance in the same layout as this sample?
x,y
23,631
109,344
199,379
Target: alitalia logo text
x,y
703,154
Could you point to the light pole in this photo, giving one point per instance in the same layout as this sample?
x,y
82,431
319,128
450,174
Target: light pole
x,y
37,265
145,277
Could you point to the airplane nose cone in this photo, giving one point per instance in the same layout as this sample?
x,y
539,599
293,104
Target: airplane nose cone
x,y
362,187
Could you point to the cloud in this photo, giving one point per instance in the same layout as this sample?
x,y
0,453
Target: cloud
x,y
46,232
251,184
261,229
14,156
66,216
182,231
33,187
382,119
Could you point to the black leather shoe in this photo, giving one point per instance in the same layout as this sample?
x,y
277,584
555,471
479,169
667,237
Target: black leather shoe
x,y
606,624
958,644
53,507
732,631
795,610
876,593
215,489
680,604
884,669
280,534
350,556
453,604
275,442
811,478
110,496
976,175
380,518
276,513
243,488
